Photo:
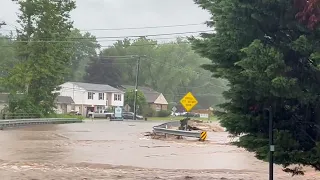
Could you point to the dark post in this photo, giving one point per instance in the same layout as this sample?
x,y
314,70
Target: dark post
x,y
268,115
136,89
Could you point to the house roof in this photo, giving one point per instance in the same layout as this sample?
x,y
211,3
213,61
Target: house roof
x,y
97,87
4,97
150,94
64,100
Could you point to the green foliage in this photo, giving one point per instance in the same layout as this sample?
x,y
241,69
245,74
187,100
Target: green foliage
x,y
83,48
141,100
42,64
269,59
7,59
103,71
65,116
171,68
149,112
163,113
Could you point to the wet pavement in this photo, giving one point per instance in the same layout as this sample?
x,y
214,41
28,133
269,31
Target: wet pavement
x,y
119,150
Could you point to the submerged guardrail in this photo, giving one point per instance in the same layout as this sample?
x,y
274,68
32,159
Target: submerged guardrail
x,y
24,122
163,129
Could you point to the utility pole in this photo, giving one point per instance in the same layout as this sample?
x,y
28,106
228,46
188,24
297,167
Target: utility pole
x,y
268,116
136,89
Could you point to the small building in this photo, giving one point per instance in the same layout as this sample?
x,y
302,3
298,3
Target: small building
x,y
4,101
92,97
155,100
64,104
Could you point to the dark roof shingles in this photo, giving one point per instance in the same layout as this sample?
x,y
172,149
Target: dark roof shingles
x,y
96,87
64,100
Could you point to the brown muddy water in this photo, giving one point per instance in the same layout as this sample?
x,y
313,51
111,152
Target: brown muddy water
x,y
102,150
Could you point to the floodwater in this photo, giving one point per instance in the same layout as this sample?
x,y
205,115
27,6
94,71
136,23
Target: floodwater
x,y
100,150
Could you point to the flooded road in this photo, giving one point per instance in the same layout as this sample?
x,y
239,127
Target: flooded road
x,y
119,150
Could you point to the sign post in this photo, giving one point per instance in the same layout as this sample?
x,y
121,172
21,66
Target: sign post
x,y
174,109
118,113
188,102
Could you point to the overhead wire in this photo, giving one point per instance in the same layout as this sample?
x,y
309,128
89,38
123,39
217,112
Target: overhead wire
x,y
111,37
131,28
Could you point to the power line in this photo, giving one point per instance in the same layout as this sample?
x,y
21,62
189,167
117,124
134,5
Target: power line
x,y
147,44
146,27
113,37
108,40
132,28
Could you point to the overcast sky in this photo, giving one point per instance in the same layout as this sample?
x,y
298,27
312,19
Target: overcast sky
x,y
110,14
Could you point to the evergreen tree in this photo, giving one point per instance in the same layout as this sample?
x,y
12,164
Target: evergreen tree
x,y
269,53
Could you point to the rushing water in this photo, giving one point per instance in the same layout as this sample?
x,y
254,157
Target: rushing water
x,y
119,150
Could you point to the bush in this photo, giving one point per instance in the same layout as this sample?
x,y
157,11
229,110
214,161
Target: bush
x,y
163,113
65,116
149,112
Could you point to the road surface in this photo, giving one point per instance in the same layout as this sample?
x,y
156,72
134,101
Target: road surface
x,y
98,150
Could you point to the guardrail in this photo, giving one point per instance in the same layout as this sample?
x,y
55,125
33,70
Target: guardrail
x,y
24,122
163,129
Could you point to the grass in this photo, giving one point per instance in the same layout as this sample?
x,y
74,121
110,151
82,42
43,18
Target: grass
x,y
177,118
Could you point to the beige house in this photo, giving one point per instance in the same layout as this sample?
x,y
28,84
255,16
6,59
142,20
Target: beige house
x,y
64,104
156,100
4,98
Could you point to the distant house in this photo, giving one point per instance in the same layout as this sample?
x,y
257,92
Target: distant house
x,y
65,104
155,99
4,100
92,97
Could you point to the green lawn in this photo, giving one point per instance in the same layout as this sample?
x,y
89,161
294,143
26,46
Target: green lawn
x,y
179,118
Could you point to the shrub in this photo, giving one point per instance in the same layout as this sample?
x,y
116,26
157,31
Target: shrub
x,y
149,112
65,116
163,113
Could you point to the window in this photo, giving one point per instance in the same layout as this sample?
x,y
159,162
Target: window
x,y
100,109
101,96
90,95
117,97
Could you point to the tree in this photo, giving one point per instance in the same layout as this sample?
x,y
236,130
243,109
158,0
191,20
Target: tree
x,y
83,48
141,100
7,58
103,71
43,49
270,56
170,68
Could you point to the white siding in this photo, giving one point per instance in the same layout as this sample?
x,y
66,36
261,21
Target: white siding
x,y
80,96
117,103
76,93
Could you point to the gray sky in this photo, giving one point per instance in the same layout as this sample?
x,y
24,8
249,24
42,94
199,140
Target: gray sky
x,y
110,14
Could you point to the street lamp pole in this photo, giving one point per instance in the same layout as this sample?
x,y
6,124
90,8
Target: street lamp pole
x,y
268,115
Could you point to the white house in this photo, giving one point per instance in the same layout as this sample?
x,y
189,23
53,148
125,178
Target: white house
x,y
92,97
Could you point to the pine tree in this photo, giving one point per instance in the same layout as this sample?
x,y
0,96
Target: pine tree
x,y
269,53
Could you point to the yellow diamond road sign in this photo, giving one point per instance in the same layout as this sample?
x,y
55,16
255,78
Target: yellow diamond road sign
x,y
188,101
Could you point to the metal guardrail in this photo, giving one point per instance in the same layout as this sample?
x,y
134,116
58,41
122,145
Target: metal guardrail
x,y
24,122
163,129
